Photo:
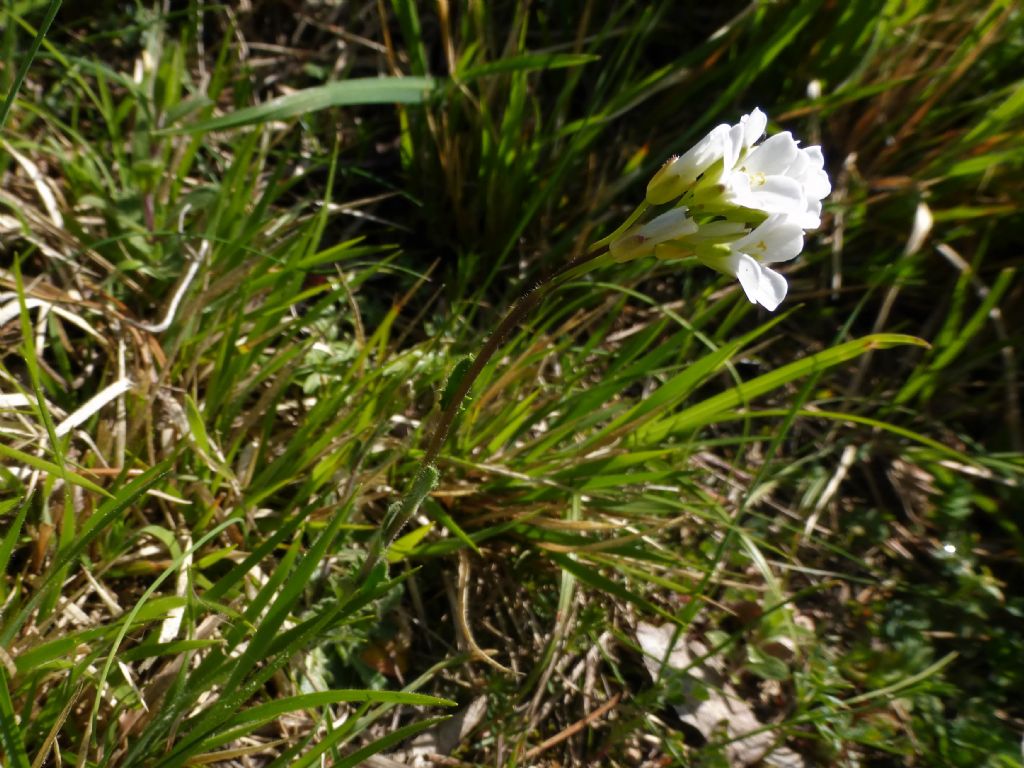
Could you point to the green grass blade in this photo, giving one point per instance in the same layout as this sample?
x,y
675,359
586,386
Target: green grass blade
x,y
110,510
13,530
12,94
359,756
10,730
140,604
710,409
263,713
343,93
592,577
527,62
50,468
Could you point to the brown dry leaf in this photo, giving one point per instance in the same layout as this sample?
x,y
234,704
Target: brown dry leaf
x,y
712,706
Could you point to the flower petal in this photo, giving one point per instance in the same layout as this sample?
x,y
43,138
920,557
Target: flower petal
x,y
747,271
811,218
705,152
753,126
771,289
733,187
734,146
775,194
779,238
743,135
640,241
806,170
773,156
680,172
813,153
669,225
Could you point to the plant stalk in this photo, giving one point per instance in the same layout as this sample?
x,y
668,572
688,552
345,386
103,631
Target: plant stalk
x,y
400,513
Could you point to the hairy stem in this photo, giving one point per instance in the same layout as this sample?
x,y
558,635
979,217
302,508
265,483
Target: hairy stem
x,y
426,478
520,310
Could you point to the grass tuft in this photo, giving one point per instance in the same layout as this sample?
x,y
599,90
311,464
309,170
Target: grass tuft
x,y
247,254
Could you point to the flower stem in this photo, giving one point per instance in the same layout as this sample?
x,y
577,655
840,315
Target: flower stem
x,y
397,516
521,309
629,222
426,478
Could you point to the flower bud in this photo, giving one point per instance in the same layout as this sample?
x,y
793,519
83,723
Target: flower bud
x,y
642,240
747,205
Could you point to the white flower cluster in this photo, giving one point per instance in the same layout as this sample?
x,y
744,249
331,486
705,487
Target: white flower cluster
x,y
738,206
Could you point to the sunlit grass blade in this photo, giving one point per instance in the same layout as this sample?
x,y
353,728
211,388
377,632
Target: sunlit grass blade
x,y
110,510
369,90
707,410
50,468
359,756
263,713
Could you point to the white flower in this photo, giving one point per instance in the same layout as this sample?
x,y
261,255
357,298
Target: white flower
x,y
728,169
778,176
741,204
724,143
744,135
759,180
679,173
642,240
809,170
778,238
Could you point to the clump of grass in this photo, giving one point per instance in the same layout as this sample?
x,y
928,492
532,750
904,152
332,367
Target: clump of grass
x,y
191,486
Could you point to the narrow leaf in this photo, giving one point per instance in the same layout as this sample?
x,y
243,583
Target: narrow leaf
x,y
10,729
710,409
368,90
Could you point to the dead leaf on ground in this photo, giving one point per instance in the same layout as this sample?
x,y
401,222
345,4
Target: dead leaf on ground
x,y
711,704
444,737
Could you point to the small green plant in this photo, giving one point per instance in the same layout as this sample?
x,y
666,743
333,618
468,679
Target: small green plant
x,y
264,268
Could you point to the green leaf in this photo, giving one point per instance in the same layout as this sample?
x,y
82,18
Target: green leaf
x,y
462,365
50,468
342,93
111,509
263,713
712,408
13,530
527,62
765,665
154,650
359,756
590,576
404,546
441,515
26,61
945,355
985,163
142,603
197,429
10,730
